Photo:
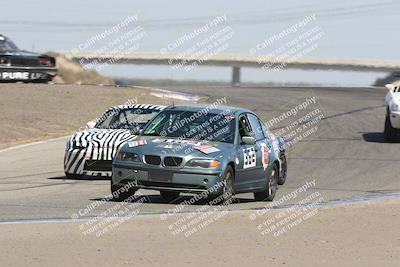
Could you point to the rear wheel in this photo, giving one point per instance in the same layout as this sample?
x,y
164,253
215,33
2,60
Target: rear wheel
x,y
391,134
38,81
283,172
272,186
169,196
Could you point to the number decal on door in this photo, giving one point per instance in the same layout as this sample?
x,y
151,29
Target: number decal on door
x,y
250,158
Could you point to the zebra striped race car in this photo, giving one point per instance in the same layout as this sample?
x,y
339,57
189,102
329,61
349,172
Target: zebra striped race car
x,y
90,152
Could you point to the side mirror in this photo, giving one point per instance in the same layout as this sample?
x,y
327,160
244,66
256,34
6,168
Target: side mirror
x,y
136,130
249,140
90,124
390,87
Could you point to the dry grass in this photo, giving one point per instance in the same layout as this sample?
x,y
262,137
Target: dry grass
x,y
72,73
31,112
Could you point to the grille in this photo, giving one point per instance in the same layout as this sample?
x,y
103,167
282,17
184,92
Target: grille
x,y
98,165
153,160
172,161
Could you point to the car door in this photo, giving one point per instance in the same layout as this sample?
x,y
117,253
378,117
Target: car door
x,y
263,147
250,172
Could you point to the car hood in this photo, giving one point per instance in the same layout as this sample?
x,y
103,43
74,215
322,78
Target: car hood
x,y
396,97
100,138
22,53
392,97
149,145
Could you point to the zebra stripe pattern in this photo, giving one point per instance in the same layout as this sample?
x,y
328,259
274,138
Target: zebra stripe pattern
x,y
93,148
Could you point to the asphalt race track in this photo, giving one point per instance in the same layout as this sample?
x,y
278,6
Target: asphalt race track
x,y
347,159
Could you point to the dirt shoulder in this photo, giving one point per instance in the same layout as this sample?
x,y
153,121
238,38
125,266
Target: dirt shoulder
x,y
32,112
357,235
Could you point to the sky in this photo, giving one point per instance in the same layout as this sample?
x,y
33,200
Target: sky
x,y
360,29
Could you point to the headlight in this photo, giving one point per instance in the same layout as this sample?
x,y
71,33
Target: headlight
x,y
204,163
126,156
394,107
72,144
76,146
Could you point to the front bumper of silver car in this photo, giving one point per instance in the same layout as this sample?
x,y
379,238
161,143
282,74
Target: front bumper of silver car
x,y
191,180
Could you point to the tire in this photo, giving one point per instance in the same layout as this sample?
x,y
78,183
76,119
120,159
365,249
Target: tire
x,y
391,134
38,81
72,175
283,172
272,186
169,196
121,196
227,191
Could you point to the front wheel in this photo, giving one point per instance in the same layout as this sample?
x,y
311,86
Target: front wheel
x,y
227,191
72,175
391,134
272,186
120,194
169,196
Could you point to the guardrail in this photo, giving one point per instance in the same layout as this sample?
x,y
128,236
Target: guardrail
x,y
237,62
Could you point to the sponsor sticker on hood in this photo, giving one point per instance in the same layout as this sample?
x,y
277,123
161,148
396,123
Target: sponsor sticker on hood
x,y
137,143
206,149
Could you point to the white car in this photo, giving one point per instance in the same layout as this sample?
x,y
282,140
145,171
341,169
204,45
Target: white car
x,y
90,152
392,122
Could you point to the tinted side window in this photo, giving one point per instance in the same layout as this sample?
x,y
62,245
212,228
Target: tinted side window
x,y
244,126
264,128
256,126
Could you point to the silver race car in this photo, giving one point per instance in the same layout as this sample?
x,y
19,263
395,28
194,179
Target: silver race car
x,y
222,151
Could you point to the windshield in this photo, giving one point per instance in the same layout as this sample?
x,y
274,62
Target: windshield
x,y
193,125
7,45
125,118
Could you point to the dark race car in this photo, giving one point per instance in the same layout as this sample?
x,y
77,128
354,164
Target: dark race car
x,y
218,153
22,66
